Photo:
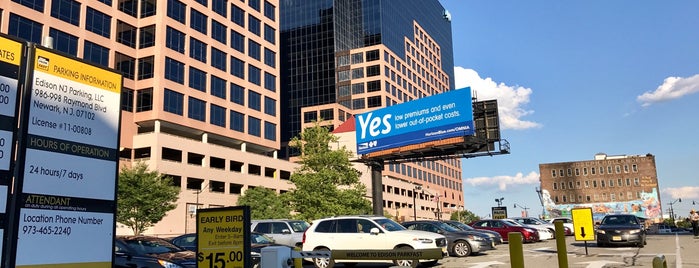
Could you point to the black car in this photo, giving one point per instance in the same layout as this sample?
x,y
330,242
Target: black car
x,y
257,242
495,236
460,243
620,229
150,252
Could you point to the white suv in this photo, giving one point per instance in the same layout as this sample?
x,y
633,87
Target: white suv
x,y
286,232
367,232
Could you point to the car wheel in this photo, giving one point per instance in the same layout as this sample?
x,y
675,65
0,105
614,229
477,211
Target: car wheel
x,y
404,263
322,262
461,249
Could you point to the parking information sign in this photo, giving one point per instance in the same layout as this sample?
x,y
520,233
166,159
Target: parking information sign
x,y
68,164
223,237
583,224
10,65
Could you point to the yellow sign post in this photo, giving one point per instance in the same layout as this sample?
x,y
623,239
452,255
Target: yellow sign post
x,y
223,237
584,225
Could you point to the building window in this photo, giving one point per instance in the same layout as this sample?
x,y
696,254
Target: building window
x,y
373,101
634,168
218,31
373,86
570,172
147,37
25,28
37,5
126,34
587,198
254,126
253,49
628,182
636,182
555,186
372,55
594,184
309,117
577,172
254,75
602,183
237,94
237,121
125,65
611,183
358,103
218,115
618,169
254,100
147,8
619,182
197,21
601,170
584,171
174,70
197,79
357,58
357,73
592,170
563,185
270,58
218,87
626,168
204,3
218,59
587,184
237,41
96,54
254,4
144,100
270,11
327,114
553,173
66,10
373,70
270,106
270,131
127,99
98,22
237,15
196,109
609,169
173,102
270,82
129,7
270,34
174,39
219,6
145,68
176,10
253,25
197,49
237,67
64,42
560,173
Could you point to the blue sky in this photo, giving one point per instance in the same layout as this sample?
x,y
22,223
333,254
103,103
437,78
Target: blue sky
x,y
577,78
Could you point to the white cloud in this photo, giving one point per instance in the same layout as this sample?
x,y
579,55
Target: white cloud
x,y
511,99
687,192
503,181
672,88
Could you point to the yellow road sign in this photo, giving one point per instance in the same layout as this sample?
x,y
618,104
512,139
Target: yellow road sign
x,y
583,224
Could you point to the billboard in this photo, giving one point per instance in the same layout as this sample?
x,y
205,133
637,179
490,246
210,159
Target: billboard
x,y
68,164
223,237
436,117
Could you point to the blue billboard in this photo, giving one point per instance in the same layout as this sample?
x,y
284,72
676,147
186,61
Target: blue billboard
x,y
436,117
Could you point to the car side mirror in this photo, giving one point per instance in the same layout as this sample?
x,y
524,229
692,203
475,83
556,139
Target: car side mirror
x,y
286,231
374,231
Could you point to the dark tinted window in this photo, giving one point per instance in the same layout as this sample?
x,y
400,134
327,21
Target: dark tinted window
x,y
66,10
175,10
37,5
25,28
64,42
96,54
326,227
98,22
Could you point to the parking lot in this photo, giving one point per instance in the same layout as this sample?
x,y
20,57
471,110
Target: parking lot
x,y
680,250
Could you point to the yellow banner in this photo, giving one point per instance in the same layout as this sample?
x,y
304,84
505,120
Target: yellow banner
x,y
77,71
10,51
221,238
583,224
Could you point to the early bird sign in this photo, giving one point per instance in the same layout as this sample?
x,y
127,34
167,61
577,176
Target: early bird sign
x,y
583,224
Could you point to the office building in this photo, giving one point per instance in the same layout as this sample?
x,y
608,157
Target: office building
x,y
340,58
201,92
607,184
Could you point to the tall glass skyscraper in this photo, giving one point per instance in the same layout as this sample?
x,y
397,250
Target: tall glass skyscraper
x,y
340,58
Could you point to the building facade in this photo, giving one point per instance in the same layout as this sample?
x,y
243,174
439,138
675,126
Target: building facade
x,y
341,58
201,94
607,184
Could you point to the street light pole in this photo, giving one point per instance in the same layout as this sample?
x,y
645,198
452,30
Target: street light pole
x,y
499,200
415,189
672,211
526,210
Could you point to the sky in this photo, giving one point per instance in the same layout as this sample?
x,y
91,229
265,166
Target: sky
x,y
577,78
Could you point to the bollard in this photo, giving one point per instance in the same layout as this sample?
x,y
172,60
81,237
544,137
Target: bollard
x,y
659,262
561,245
298,262
516,251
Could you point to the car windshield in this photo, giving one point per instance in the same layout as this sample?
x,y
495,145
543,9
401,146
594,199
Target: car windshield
x,y
512,223
390,225
620,220
540,221
299,226
460,225
151,246
447,227
257,238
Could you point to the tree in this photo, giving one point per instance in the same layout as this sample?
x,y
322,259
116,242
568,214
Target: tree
x,y
143,197
265,204
326,182
464,216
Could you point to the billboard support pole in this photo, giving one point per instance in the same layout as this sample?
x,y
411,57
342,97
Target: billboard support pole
x,y
376,186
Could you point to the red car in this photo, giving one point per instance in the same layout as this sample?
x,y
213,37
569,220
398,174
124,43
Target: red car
x,y
504,227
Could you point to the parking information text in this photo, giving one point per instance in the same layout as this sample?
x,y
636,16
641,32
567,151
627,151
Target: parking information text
x,y
223,237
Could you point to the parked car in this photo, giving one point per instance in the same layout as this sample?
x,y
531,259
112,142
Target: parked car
x,y
287,232
536,222
495,236
620,229
504,227
367,233
460,243
150,252
257,242
567,222
544,233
